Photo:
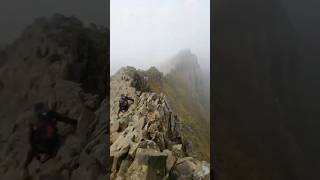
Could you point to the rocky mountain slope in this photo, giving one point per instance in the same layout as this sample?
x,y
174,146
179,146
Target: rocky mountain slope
x,y
62,63
146,141
184,69
188,91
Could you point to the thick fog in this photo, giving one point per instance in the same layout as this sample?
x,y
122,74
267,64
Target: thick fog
x,y
15,15
305,17
267,83
146,33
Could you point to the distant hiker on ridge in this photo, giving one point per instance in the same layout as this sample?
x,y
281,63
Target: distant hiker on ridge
x,y
124,104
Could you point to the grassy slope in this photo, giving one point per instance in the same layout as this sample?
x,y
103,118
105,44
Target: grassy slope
x,y
196,127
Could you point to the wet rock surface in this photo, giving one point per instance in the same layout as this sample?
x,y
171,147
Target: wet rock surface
x,y
146,142
56,61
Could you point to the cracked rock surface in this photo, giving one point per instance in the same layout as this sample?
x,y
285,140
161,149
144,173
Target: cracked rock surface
x,y
146,142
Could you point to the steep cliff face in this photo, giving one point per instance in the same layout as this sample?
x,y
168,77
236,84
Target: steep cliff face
x,y
184,83
184,70
146,141
63,64
255,96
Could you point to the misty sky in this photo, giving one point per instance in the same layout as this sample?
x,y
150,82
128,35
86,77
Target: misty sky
x,y
15,15
148,32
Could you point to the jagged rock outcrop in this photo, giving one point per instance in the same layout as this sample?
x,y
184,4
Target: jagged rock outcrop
x,y
146,142
187,90
62,63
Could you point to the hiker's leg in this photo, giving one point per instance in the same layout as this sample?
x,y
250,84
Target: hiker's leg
x,y
53,147
49,153
38,156
56,146
121,109
46,158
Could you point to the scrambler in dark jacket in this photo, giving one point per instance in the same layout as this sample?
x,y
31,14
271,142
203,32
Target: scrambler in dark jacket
x,y
43,136
124,104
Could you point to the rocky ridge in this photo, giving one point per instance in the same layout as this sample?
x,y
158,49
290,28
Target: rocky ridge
x,y
63,64
187,90
146,142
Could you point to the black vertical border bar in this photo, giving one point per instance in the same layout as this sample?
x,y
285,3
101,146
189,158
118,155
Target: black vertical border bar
x,y
108,90
212,119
